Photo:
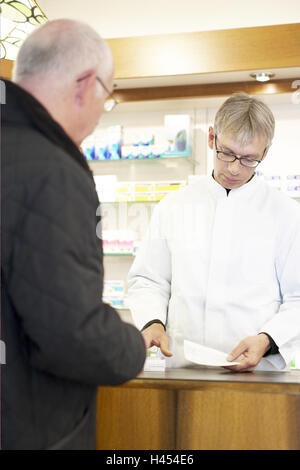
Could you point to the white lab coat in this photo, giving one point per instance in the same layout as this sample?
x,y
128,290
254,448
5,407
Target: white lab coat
x,y
217,268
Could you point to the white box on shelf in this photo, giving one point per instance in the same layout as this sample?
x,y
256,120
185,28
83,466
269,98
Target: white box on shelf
x,y
154,364
106,187
113,289
177,132
295,363
155,361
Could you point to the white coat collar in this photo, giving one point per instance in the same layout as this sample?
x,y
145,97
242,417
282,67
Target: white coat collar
x,y
246,189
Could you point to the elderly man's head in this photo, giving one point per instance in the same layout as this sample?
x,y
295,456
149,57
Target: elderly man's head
x,y
68,67
242,134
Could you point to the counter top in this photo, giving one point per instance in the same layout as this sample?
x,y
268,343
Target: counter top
x,y
197,378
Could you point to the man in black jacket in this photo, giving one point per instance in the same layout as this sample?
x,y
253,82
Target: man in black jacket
x,y
61,340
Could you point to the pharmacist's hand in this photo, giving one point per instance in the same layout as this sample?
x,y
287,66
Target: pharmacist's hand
x,y
155,335
252,348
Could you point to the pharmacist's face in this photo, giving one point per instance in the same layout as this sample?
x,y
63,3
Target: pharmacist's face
x,y
234,174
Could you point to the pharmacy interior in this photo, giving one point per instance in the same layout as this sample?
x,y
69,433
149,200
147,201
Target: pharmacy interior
x,y
153,143
142,151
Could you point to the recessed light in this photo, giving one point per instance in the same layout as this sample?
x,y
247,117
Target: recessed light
x,y
262,76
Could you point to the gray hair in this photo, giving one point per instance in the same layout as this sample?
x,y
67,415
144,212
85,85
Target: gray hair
x,y
60,50
244,118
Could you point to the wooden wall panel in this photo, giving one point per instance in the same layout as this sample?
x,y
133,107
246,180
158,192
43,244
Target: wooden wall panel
x,y
263,47
135,419
223,51
203,90
203,416
6,68
237,420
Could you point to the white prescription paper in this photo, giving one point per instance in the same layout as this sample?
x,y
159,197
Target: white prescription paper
x,y
203,355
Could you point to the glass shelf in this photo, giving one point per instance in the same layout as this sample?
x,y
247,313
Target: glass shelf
x,y
130,202
157,159
136,170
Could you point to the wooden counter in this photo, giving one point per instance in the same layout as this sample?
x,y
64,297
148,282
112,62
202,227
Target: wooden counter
x,y
212,409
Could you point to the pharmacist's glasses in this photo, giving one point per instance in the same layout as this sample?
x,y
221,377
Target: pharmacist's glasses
x,y
110,102
231,157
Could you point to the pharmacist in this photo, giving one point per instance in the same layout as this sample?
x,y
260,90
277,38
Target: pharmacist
x,y
220,264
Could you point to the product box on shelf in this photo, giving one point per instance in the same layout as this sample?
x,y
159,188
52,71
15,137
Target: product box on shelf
x,y
119,242
88,148
133,152
275,181
106,187
162,188
293,185
143,186
113,293
143,191
289,184
155,361
104,145
142,145
124,191
144,197
295,362
111,190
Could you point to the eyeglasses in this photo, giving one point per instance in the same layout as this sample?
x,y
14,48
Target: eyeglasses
x,y
111,102
231,157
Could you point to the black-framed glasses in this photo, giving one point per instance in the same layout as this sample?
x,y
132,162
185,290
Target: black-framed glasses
x,y
110,102
231,157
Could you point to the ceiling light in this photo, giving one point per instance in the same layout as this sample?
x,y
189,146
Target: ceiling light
x,y
18,20
262,76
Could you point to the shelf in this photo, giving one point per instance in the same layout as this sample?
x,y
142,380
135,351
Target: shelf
x,y
157,159
145,166
130,202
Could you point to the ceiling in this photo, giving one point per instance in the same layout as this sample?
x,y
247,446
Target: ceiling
x,y
125,18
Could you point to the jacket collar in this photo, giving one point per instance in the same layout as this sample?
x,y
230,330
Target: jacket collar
x,y
23,109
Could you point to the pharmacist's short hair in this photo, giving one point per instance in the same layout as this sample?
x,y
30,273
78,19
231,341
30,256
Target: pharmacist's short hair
x,y
61,49
244,117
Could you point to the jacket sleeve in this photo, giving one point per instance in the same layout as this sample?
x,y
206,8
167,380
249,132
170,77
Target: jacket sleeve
x,y
55,284
284,327
149,278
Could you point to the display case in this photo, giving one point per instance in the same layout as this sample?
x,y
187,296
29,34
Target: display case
x,y
136,163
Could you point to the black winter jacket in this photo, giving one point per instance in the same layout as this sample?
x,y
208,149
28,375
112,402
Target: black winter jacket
x,y
61,340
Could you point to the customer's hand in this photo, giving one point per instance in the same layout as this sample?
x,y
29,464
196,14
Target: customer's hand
x,y
252,348
155,335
